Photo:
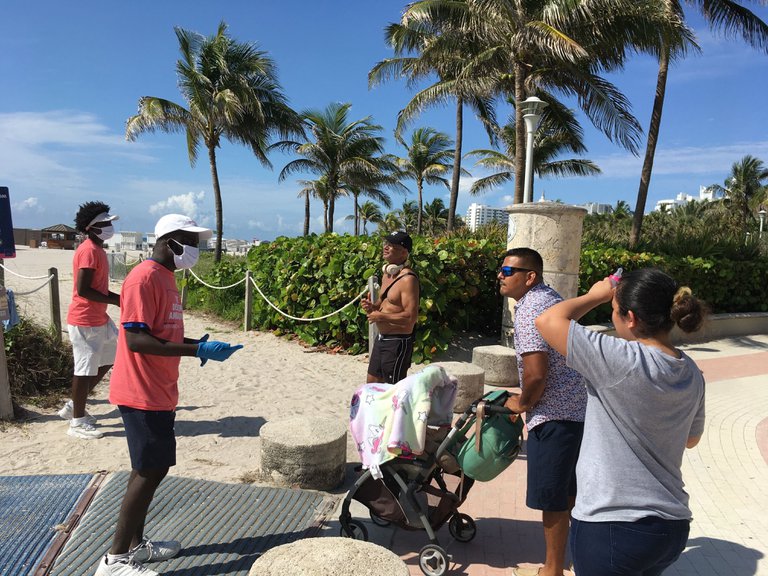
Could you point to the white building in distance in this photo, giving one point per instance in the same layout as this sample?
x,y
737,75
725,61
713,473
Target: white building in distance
x,y
706,194
479,215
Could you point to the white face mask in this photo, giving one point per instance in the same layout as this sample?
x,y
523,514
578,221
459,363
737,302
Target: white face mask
x,y
188,257
105,233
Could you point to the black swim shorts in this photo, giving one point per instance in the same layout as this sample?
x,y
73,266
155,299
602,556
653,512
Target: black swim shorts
x,y
391,357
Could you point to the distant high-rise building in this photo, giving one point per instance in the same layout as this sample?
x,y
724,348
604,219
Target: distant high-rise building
x,y
479,214
706,194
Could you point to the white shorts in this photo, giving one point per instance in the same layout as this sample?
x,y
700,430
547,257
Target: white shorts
x,y
93,347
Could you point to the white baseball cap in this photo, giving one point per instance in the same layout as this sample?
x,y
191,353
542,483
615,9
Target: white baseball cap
x,y
172,222
103,217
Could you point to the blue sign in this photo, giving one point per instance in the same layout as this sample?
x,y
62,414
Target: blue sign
x,y
7,245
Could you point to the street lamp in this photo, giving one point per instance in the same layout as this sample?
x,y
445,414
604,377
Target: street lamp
x,y
761,214
532,109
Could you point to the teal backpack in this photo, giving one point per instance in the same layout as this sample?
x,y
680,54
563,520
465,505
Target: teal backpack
x,y
493,443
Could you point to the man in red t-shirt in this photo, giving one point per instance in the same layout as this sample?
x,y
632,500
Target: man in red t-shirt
x,y
92,333
144,386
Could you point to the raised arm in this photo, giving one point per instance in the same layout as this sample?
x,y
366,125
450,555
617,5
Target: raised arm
x,y
553,324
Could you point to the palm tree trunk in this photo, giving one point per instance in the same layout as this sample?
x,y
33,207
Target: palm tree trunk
x,y
519,134
419,186
325,214
650,149
216,203
357,218
331,207
306,214
456,164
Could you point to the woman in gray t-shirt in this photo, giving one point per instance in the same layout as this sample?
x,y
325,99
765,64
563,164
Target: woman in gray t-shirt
x,y
645,406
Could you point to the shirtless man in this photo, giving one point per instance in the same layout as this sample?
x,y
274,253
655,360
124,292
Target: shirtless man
x,y
394,313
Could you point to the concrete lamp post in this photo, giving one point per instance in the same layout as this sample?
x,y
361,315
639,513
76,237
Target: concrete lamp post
x,y
532,110
761,215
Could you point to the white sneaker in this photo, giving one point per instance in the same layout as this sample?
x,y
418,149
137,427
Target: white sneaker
x,y
67,413
85,430
123,568
155,551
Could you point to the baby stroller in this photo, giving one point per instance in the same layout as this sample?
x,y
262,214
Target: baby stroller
x,y
424,491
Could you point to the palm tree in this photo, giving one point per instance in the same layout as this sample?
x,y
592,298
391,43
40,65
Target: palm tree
x,y
435,217
550,45
730,17
429,155
390,223
440,49
408,215
232,92
745,187
368,212
559,131
347,153
622,209
370,192
317,189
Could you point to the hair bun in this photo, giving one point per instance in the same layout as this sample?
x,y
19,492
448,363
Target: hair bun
x,y
681,293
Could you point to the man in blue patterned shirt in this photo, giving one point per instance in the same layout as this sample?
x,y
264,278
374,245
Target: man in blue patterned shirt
x,y
554,400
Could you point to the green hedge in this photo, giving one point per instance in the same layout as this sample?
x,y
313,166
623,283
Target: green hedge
x,y
727,286
312,276
309,277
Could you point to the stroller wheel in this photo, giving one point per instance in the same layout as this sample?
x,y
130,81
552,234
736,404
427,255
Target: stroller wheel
x,y
355,530
379,521
462,527
433,560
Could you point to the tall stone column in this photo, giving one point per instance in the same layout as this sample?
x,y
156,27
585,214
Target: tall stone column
x,y
554,231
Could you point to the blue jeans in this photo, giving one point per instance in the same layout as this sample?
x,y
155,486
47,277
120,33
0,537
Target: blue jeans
x,y
645,547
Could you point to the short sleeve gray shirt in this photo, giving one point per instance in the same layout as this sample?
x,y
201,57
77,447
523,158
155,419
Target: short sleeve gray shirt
x,y
642,407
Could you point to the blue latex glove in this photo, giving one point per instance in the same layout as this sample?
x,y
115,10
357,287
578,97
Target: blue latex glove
x,y
214,350
203,339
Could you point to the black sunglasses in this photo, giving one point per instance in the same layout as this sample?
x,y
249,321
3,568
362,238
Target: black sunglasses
x,y
507,271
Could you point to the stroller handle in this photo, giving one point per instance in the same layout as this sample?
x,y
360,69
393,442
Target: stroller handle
x,y
495,409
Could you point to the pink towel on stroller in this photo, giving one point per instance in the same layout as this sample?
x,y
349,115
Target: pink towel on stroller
x,y
390,420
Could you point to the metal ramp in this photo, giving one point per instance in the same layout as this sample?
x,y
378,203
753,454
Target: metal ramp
x,y
223,528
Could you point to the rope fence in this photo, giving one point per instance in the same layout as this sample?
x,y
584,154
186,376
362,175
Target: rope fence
x,y
117,259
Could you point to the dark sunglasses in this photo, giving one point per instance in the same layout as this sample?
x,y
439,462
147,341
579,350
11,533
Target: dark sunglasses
x,y
507,271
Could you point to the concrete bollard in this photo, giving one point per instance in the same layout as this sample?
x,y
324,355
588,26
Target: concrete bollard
x,y
304,452
333,556
499,363
471,383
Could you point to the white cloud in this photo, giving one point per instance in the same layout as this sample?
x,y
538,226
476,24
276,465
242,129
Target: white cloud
x,y
30,203
187,204
715,160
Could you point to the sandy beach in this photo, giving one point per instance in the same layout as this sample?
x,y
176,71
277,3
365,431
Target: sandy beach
x,y
221,406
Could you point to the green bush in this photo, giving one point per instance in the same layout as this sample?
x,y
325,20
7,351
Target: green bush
x,y
310,277
725,285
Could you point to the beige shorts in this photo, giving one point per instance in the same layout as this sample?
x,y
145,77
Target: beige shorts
x,y
93,347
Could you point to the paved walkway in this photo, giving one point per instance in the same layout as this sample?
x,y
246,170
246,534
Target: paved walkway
x,y
726,476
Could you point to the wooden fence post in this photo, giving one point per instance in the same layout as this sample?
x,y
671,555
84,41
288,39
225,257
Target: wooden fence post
x,y
53,291
6,405
248,321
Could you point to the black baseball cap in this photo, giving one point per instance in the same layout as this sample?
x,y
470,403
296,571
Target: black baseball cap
x,y
399,238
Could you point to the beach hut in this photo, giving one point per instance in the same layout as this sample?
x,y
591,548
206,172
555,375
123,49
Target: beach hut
x,y
59,236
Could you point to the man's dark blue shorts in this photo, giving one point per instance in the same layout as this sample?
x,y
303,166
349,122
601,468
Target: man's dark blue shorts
x,y
552,451
151,438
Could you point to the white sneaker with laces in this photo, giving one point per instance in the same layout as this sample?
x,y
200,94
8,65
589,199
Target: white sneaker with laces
x,y
85,430
155,551
67,413
123,568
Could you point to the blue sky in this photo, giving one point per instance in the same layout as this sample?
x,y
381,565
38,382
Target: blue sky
x,y
73,72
